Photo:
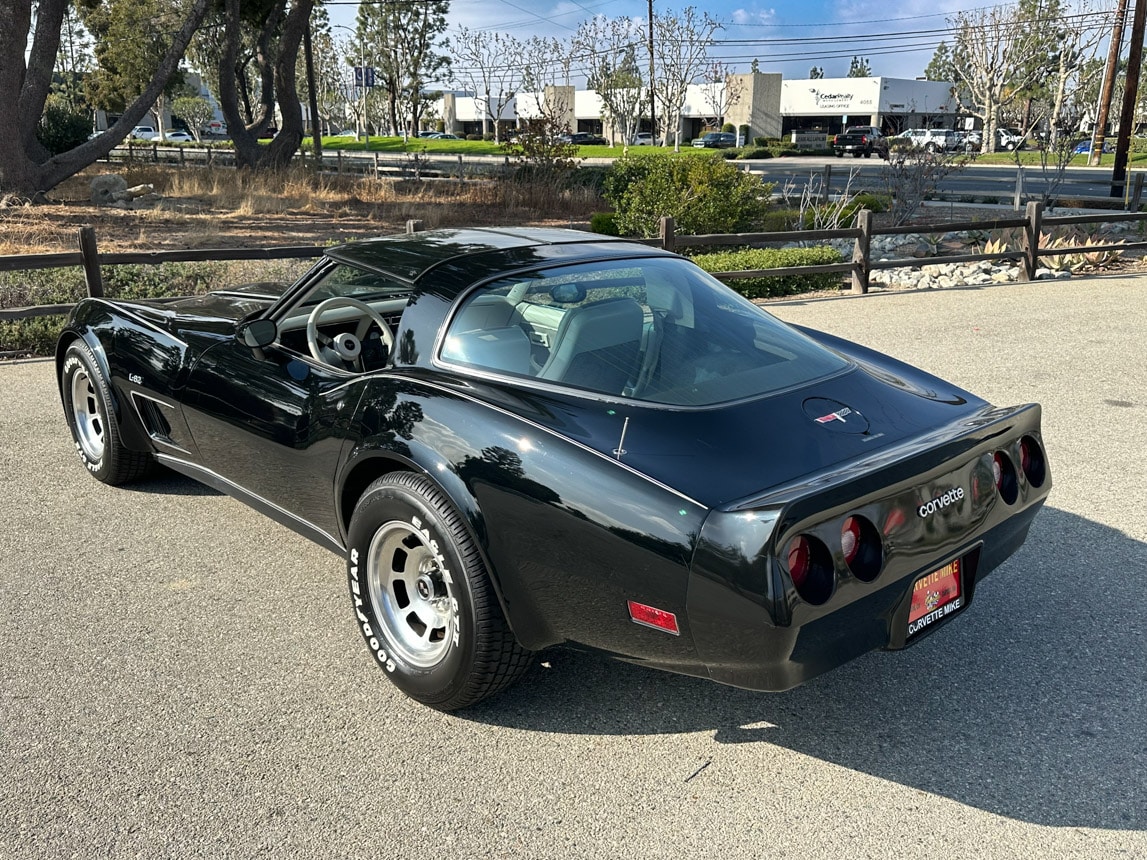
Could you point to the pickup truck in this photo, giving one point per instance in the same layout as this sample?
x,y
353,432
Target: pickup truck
x,y
860,140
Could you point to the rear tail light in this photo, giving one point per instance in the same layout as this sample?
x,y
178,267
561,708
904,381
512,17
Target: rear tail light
x,y
862,548
1032,461
1005,475
810,567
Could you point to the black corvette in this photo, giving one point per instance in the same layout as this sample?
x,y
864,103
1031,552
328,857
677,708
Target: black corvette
x,y
520,438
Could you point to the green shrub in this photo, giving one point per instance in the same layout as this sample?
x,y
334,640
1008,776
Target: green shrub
x,y
729,128
773,258
755,152
604,223
61,129
703,194
474,137
36,336
780,220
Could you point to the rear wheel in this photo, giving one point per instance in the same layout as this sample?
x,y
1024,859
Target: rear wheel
x,y
87,409
422,597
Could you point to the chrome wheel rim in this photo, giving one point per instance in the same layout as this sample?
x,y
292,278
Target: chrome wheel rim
x,y
86,416
411,594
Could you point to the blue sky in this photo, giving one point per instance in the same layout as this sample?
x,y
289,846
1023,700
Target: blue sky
x,y
897,36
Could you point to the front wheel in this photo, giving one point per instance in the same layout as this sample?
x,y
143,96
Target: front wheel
x,y
423,599
88,411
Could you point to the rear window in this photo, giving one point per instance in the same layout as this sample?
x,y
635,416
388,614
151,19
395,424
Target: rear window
x,y
658,330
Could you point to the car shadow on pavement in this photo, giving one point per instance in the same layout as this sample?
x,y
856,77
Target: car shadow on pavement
x,y
164,482
1031,706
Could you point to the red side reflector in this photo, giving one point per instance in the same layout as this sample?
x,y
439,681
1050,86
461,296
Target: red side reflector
x,y
650,616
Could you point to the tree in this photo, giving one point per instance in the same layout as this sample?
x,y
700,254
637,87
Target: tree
x,y
26,166
721,89
859,68
196,111
941,67
816,73
485,67
404,38
995,61
278,46
607,48
681,49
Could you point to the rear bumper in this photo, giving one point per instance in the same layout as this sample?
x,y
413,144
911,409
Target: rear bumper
x,y
745,649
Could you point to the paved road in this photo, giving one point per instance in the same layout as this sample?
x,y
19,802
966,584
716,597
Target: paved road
x,y
977,180
181,678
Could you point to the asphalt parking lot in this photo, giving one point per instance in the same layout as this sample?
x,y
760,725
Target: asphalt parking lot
x,y
181,677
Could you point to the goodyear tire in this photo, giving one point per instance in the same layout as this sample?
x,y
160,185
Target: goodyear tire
x,y
422,598
87,408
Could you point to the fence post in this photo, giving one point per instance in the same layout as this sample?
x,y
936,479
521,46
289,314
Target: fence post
x,y
376,168
860,252
827,188
1136,193
461,174
1031,240
1019,195
668,233
414,225
209,150
91,261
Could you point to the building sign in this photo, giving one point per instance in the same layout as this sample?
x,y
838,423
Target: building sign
x,y
810,140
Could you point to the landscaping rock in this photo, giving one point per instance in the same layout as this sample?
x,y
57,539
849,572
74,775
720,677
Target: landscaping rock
x,y
106,187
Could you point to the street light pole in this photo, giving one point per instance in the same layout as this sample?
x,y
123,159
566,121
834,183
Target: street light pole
x,y
652,99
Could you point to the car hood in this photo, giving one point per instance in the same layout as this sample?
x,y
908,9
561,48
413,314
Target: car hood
x,y
213,313
721,455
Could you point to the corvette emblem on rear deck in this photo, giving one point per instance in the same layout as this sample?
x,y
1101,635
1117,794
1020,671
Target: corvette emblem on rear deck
x,y
835,415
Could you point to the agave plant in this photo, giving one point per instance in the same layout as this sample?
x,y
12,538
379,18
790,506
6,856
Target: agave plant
x,y
1068,261
1101,259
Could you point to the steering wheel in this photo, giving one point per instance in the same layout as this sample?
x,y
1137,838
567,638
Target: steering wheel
x,y
347,346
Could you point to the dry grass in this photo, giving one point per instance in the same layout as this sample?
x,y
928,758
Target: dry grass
x,y
219,207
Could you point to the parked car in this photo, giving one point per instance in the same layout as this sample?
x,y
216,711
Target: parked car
x,y
428,133
1084,147
642,138
716,140
1010,139
442,135
860,140
498,430
144,132
179,136
930,139
583,138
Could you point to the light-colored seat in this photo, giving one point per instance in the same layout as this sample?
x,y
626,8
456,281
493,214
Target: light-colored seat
x,y
597,346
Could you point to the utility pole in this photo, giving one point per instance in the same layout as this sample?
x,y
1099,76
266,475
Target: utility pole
x,y
652,99
1130,94
1099,133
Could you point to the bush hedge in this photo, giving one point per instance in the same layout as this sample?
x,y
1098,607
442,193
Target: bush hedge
x,y
703,194
774,258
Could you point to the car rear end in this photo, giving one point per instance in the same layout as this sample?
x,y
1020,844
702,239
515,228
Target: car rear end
x,y
871,554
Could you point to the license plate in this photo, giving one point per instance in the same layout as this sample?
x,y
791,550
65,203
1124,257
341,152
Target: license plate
x,y
935,596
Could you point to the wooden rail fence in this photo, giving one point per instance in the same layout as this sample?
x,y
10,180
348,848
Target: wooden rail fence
x,y
859,269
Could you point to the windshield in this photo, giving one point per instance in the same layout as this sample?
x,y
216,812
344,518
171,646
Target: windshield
x,y
657,330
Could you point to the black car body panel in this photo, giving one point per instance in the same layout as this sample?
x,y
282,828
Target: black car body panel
x,y
582,502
